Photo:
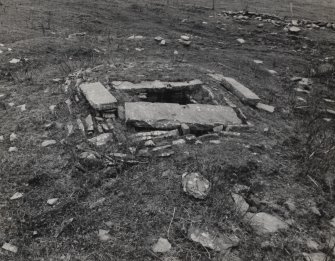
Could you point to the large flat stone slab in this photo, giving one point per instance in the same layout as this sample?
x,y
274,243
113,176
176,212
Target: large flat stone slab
x,y
171,115
98,96
156,86
242,92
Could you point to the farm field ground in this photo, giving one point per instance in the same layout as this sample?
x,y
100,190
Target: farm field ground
x,y
284,162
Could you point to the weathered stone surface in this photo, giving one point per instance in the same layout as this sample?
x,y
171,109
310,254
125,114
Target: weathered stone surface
x,y
265,107
171,115
156,85
196,185
212,240
242,92
102,139
161,246
47,143
315,256
241,205
98,96
10,247
264,223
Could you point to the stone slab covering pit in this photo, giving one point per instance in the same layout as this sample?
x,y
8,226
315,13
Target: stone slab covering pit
x,y
156,85
98,96
198,117
242,92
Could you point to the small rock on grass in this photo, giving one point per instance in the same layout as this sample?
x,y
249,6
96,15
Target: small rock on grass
x,y
13,149
195,185
258,61
161,246
265,223
9,247
241,205
2,138
216,142
47,143
12,137
265,107
52,201
315,256
102,139
149,143
211,239
104,235
185,129
240,40
166,154
17,195
179,142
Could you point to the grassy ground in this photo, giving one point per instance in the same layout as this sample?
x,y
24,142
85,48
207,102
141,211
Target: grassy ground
x,y
136,203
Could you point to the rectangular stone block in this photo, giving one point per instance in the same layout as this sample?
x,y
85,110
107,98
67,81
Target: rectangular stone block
x,y
242,92
98,96
171,116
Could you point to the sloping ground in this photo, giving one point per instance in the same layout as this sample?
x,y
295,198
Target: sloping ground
x,y
138,204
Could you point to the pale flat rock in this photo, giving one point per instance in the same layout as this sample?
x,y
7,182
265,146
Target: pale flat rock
x,y
178,142
102,139
52,201
47,143
16,195
242,92
315,256
195,185
98,96
241,205
240,40
265,107
9,247
13,149
265,223
161,246
156,85
258,61
212,240
104,235
171,115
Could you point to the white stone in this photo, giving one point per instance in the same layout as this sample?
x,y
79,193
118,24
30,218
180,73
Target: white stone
x,y
12,149
179,142
52,201
22,107
47,143
102,139
161,246
265,223
16,195
149,143
272,72
240,40
216,142
11,104
12,137
9,247
241,205
265,107
185,37
196,185
242,92
14,60
104,235
2,138
258,62
294,29
52,108
98,96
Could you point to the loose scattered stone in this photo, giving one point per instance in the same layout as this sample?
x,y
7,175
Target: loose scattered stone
x,y
332,222
216,142
162,148
195,185
296,79
273,72
264,223
14,61
2,138
13,149
159,39
10,247
315,256
265,107
81,126
185,37
101,139
89,124
12,137
98,96
241,205
212,240
240,40
185,129
171,115
242,92
179,142
258,62
218,128
22,107
16,195
52,108
185,43
47,143
311,244
11,104
294,29
70,129
161,246
165,154
149,143
104,235
190,137
52,201
136,37
207,137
